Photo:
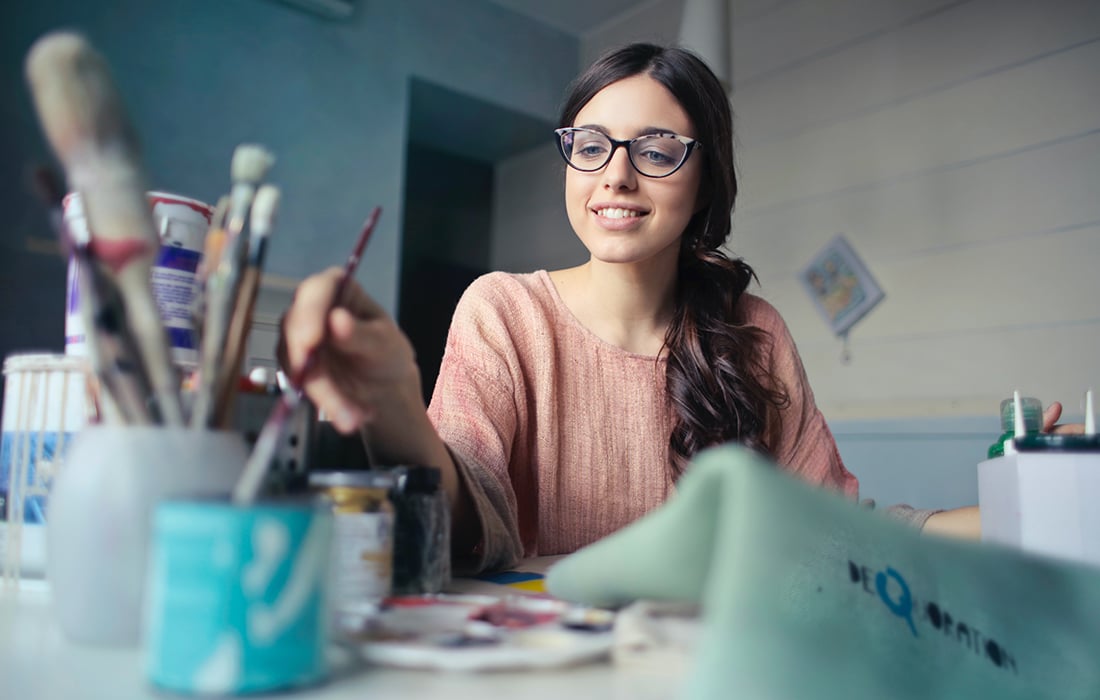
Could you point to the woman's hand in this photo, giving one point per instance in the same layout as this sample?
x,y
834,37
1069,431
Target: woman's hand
x,y
1051,414
365,372
363,359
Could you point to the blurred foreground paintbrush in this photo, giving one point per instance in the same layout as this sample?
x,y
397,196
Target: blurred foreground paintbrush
x,y
112,350
85,122
267,444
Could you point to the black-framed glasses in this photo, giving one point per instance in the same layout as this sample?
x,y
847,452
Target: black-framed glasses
x,y
652,155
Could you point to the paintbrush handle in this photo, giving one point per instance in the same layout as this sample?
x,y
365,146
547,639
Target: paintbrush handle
x,y
236,342
348,274
111,350
267,445
248,487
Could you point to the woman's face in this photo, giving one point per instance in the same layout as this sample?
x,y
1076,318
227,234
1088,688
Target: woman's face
x,y
620,215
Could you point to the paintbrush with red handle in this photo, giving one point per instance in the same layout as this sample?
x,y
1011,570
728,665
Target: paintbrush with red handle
x,y
248,486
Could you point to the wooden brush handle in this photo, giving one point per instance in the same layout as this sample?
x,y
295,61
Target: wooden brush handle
x,y
236,342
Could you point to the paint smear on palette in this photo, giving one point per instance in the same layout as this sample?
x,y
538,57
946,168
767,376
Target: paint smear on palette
x,y
517,632
523,580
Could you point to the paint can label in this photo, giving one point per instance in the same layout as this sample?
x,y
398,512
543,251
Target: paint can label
x,y
362,560
238,598
182,224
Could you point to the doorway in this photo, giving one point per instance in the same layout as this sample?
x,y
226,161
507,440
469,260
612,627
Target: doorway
x,y
455,140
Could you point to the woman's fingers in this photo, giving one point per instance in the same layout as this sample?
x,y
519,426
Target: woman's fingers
x,y
346,412
304,322
1050,419
362,357
1051,414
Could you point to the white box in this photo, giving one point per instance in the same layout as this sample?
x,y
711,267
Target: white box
x,y
1044,502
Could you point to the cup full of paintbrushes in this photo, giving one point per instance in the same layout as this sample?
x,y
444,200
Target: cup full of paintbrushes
x,y
118,473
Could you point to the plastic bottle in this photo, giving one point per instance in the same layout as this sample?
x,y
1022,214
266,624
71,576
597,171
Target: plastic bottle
x,y
1033,422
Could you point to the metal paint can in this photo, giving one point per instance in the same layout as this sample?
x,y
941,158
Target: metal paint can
x,y
238,600
362,542
182,224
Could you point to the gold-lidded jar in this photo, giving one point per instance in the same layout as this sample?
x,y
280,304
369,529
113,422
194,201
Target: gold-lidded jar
x,y
362,539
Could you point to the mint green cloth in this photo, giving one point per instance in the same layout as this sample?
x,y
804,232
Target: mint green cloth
x,y
806,595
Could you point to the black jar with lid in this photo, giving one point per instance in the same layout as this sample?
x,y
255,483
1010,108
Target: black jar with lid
x,y
422,531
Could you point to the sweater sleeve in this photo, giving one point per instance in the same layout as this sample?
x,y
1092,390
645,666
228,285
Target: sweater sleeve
x,y
806,445
914,517
474,410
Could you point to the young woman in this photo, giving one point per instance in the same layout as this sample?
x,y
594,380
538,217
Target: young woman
x,y
569,402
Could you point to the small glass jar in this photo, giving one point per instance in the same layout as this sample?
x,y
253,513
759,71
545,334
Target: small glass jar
x,y
422,535
362,540
1033,422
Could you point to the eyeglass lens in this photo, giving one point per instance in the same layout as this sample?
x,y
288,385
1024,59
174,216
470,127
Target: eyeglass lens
x,y
655,155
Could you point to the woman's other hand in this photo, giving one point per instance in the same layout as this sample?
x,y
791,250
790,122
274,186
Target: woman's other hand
x,y
1051,414
363,359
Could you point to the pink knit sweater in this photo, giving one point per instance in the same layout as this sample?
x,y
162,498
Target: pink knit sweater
x,y
561,437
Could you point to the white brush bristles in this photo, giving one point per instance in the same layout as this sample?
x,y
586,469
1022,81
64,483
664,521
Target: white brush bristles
x,y
76,99
1090,416
83,118
250,163
1020,427
264,207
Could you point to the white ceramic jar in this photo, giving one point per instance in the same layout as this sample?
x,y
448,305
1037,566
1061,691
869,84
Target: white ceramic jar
x,y
101,512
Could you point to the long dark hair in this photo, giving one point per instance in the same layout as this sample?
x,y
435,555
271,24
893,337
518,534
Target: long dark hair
x,y
718,380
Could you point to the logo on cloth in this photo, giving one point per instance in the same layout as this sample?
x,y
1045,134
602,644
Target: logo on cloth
x,y
891,588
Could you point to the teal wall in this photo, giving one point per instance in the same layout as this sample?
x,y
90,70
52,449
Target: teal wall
x,y
330,98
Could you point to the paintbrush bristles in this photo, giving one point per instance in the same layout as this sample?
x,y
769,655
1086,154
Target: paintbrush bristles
x,y
67,76
262,216
85,122
250,163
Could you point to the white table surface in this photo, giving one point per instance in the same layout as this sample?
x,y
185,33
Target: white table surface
x,y
38,663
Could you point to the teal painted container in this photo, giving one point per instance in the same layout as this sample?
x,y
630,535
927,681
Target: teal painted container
x,y
238,600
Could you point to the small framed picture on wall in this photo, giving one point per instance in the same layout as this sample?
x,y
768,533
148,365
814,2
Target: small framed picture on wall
x,y
840,285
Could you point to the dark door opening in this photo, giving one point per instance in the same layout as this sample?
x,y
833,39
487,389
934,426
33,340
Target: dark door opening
x,y
445,246
455,140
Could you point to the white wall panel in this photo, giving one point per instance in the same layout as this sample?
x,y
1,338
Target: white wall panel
x,y
1034,103
1036,192
786,34
883,69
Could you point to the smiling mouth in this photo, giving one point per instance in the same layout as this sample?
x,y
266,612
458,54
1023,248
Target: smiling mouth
x,y
618,213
